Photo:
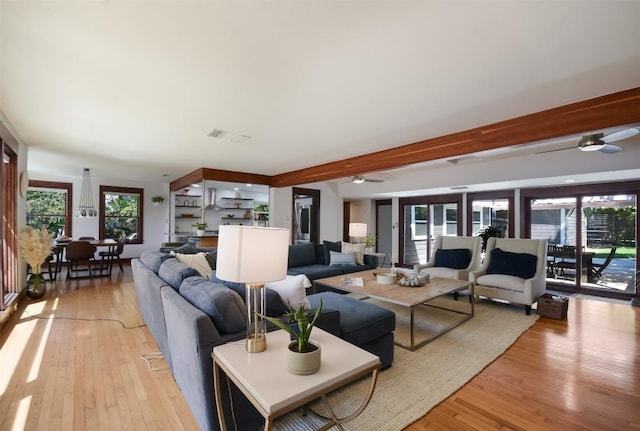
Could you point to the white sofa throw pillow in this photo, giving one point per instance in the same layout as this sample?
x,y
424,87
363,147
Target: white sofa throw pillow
x,y
292,290
357,249
197,261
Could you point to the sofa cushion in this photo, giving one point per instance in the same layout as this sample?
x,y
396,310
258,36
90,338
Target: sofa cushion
x,y
521,265
456,258
337,258
302,255
221,304
360,321
153,259
196,261
357,249
174,272
314,272
328,247
273,302
292,290
501,281
186,249
440,271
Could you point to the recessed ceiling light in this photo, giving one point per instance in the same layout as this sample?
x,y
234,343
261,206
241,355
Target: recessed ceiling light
x,y
458,187
217,133
248,185
241,138
569,181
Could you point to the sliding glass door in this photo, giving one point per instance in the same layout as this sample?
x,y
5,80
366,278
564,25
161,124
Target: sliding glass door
x,y
423,219
592,236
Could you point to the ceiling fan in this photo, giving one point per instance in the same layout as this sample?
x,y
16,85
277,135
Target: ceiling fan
x,y
600,142
359,179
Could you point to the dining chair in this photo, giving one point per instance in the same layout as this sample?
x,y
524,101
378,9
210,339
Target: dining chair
x,y
107,257
79,257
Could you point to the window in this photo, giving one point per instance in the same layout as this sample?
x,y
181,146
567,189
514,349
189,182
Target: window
x,y
121,213
452,221
49,204
419,225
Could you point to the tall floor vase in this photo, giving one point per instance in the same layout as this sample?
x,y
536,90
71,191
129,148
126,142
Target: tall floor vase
x,y
36,286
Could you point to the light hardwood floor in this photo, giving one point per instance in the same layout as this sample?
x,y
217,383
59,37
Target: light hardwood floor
x,y
60,374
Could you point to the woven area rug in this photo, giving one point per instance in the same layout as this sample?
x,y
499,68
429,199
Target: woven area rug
x,y
418,381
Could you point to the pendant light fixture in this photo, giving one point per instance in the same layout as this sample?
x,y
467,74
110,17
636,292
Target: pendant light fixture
x,y
86,208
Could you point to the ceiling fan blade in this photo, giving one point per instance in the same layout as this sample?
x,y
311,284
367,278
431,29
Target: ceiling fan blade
x,y
610,149
620,135
557,149
371,180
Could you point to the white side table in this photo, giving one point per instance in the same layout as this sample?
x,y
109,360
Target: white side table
x,y
264,379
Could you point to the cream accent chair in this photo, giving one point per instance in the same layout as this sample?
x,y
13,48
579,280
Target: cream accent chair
x,y
509,287
471,243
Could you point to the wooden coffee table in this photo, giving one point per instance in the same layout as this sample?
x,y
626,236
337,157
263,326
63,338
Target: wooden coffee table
x,y
264,379
409,297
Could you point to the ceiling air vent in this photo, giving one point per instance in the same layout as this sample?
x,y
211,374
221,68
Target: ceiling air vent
x,y
217,133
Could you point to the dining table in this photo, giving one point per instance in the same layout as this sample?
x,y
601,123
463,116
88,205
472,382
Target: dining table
x,y
559,255
59,246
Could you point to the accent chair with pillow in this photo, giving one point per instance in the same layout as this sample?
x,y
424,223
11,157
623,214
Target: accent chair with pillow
x,y
453,257
513,270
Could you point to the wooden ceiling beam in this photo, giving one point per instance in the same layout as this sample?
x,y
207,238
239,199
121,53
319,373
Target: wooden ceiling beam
x,y
617,109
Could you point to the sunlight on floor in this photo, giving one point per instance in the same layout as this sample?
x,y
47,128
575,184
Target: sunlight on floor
x,y
21,415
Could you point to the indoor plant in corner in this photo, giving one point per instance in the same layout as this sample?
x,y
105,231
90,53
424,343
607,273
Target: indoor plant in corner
x,y
304,354
35,248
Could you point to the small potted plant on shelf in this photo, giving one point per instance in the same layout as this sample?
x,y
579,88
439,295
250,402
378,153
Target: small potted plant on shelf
x,y
200,228
304,354
157,200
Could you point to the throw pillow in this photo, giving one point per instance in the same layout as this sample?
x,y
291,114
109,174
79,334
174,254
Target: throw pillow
x,y
292,290
330,246
196,261
456,258
173,272
336,258
275,306
521,265
212,258
357,249
221,304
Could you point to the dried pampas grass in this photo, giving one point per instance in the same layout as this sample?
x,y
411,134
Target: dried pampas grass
x,y
35,246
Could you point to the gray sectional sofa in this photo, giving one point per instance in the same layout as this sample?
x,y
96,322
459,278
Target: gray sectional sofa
x,y
188,316
313,261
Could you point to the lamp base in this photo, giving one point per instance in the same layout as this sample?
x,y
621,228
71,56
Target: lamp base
x,y
256,343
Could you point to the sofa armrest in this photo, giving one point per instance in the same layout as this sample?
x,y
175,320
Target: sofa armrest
x,y
418,268
474,275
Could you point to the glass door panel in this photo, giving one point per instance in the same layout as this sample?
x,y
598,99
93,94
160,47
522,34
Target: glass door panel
x,y
554,219
422,223
416,234
494,212
610,235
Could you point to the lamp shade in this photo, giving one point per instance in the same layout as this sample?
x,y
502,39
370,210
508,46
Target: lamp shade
x,y
358,230
248,254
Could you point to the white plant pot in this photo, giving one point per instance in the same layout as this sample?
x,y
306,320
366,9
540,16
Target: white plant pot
x,y
200,232
303,363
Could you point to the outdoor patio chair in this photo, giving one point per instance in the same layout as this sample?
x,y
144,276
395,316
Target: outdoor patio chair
x,y
598,268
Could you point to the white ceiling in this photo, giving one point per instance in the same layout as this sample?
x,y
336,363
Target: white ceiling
x,y
131,89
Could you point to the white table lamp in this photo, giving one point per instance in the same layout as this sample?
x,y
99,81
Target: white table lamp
x,y
357,231
255,256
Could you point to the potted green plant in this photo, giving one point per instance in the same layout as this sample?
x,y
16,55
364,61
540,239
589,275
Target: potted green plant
x,y
200,228
490,232
369,243
157,200
304,355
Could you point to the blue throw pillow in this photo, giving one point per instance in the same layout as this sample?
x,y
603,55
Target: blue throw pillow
x,y
337,258
521,265
456,258
174,272
301,255
221,304
274,303
329,247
